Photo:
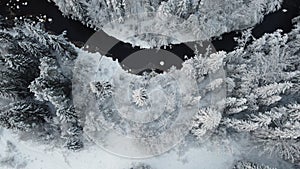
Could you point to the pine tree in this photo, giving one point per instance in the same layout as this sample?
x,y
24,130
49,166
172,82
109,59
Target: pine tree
x,y
54,87
26,51
21,48
250,165
140,166
206,120
25,116
101,89
263,97
140,97
18,69
203,19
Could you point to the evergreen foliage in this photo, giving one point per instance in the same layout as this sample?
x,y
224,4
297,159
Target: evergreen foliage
x,y
263,92
35,66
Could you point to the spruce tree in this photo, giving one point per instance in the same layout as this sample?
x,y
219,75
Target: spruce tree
x,y
36,65
263,92
25,116
54,87
250,165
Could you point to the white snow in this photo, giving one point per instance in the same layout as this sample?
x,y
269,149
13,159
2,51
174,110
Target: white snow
x,y
39,156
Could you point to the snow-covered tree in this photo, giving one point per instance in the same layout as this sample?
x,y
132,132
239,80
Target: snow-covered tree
x,y
18,67
139,97
36,63
101,89
263,92
25,116
204,65
141,166
54,87
199,19
207,119
250,165
21,48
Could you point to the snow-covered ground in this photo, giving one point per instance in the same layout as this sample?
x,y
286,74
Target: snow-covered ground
x,y
31,155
